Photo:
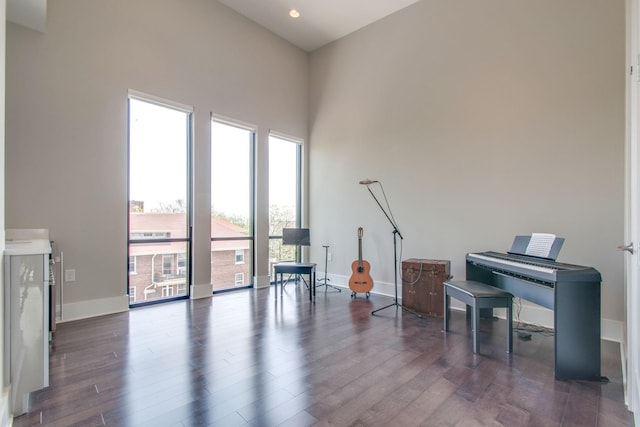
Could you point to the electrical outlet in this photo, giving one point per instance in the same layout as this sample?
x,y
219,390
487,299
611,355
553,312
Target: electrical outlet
x,y
70,275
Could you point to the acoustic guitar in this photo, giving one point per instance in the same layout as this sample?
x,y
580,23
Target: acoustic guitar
x,y
360,281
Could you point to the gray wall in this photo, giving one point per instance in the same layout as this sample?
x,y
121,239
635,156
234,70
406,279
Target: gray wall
x,y
483,120
4,397
67,120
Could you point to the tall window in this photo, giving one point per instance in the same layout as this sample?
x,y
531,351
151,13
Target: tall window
x,y
285,179
159,202
232,171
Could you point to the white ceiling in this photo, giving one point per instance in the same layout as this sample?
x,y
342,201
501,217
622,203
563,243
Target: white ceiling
x,y
320,21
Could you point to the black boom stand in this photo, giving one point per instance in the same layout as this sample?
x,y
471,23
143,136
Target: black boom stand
x,y
396,232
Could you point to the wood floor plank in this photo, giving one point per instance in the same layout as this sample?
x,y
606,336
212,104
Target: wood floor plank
x,y
245,359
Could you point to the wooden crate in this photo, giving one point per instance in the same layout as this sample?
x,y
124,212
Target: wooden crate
x,y
422,289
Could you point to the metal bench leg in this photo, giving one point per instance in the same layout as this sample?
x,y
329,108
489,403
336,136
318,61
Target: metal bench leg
x,y
475,326
447,301
509,326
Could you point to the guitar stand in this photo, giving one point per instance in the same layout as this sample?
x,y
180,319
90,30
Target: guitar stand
x,y
325,281
367,294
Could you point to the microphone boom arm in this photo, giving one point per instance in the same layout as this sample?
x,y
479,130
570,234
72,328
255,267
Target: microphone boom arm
x,y
396,232
395,227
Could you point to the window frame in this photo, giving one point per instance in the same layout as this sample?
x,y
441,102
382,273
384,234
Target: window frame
x,y
250,237
155,237
298,211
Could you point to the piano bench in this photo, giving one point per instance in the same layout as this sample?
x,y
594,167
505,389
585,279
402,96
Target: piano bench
x,y
478,295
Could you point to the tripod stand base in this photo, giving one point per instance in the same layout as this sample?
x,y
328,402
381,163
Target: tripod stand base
x,y
325,280
322,283
396,305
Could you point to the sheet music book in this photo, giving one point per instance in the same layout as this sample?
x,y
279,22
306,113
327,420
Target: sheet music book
x,y
540,245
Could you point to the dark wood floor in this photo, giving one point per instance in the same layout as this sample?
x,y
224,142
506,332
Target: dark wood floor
x,y
242,359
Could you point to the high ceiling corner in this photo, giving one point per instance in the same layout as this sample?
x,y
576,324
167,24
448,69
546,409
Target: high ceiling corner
x,y
28,13
320,22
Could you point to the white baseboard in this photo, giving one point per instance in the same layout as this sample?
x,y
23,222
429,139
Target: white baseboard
x,y
103,306
201,291
93,308
611,330
260,282
379,288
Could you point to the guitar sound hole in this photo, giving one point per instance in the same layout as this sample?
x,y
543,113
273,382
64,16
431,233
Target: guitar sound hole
x,y
360,269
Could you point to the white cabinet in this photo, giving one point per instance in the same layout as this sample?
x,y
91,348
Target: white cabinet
x,y
26,322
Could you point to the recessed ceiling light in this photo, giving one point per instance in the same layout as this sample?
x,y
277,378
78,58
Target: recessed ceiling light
x,y
294,13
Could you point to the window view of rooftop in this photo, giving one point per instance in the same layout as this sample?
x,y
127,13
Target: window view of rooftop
x,y
159,219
